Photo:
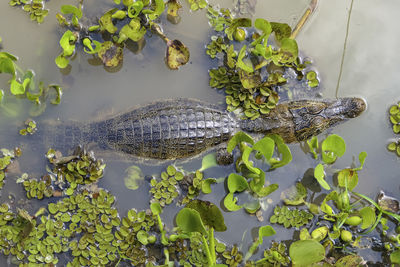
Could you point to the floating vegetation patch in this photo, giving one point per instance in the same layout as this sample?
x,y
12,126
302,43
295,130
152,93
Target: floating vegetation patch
x,y
394,116
5,160
35,8
30,127
251,75
164,191
290,217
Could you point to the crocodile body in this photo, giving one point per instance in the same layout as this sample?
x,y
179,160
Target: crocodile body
x,y
184,127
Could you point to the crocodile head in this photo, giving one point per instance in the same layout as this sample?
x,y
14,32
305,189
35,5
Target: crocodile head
x,y
313,117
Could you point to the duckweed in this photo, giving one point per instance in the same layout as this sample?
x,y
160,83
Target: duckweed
x,y
165,190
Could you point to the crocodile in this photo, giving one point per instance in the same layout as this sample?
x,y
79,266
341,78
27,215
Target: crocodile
x,y
180,128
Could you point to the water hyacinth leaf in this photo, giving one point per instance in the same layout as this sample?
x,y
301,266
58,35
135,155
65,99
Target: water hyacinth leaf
x,y
252,207
173,8
110,54
247,67
320,233
59,93
189,220
313,146
349,178
159,9
284,151
69,9
257,183
134,31
238,22
295,195
238,138
67,42
89,48
177,54
281,30
208,161
210,214
266,29
16,88
332,148
142,237
288,52
395,257
245,158
266,190
306,252
319,174
206,185
230,203
350,261
133,177
106,21
236,183
61,61
368,217
265,231
7,66
266,146
361,157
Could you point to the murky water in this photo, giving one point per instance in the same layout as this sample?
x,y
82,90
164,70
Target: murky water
x,y
370,71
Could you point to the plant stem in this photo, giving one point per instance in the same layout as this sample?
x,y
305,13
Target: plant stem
x,y
205,244
212,244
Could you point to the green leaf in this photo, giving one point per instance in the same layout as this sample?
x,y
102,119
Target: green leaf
x,y
59,93
295,195
266,146
206,185
8,55
265,27
252,207
1,95
69,9
67,42
288,52
7,66
284,151
177,54
395,257
313,146
332,148
106,21
16,88
245,158
239,22
249,80
361,157
61,61
156,208
320,233
266,190
133,177
134,31
281,30
319,174
265,231
257,183
210,214
208,161
236,183
134,9
368,217
189,220
306,252
159,9
242,65
238,138
348,177
230,202
142,237
349,261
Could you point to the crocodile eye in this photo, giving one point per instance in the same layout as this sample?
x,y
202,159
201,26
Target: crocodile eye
x,y
315,109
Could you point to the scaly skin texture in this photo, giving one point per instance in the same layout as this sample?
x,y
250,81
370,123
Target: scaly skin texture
x,y
182,128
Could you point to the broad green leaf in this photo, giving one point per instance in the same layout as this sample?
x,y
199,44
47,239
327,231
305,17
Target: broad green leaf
x,y
238,22
262,50
189,220
230,202
249,80
320,233
319,174
266,190
59,93
349,261
313,146
368,217
8,55
134,31
348,177
281,30
333,195
67,42
61,61
236,183
156,208
177,54
361,157
265,27
106,21
16,88
284,151
133,177
208,161
142,237
210,214
69,9
395,257
287,53
120,14
265,231
159,9
237,139
242,65
266,146
252,207
257,183
306,252
206,185
7,66
332,148
245,157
